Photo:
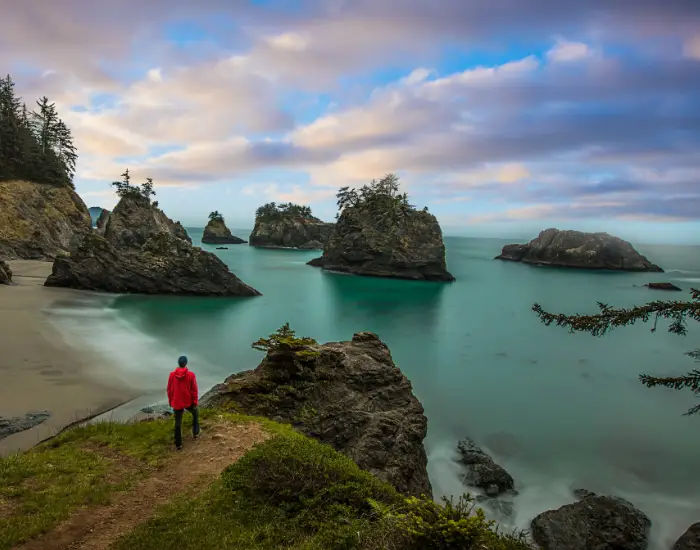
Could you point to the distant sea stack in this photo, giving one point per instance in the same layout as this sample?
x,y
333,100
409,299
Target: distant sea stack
x,y
288,225
38,221
553,247
378,233
142,250
95,213
216,231
348,394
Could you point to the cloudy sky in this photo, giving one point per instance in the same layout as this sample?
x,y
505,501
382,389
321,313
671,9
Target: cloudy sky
x,y
502,116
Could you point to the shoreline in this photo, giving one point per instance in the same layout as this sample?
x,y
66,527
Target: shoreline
x,y
42,370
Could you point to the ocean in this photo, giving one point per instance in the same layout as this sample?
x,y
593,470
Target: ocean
x,y
559,411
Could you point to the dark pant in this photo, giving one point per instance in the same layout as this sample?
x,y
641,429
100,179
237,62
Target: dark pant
x,y
178,423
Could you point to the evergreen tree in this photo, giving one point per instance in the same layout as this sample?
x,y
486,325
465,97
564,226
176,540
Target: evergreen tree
x,y
609,318
216,215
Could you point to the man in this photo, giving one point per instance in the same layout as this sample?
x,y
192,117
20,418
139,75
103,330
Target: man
x,y
183,394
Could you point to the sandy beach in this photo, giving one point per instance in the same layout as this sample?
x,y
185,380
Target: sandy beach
x,y
40,369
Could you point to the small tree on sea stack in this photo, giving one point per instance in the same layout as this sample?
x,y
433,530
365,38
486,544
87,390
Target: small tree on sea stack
x,y
216,216
125,189
609,318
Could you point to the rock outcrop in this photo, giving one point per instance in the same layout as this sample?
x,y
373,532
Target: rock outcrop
x,y
350,395
216,232
410,247
306,233
39,221
144,251
690,540
481,471
662,286
5,273
15,424
593,523
553,247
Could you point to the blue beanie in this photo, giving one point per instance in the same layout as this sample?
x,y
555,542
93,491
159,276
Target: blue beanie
x,y
182,361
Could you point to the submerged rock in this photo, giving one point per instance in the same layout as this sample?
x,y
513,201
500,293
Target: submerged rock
x,y
553,247
144,251
690,540
662,286
593,523
39,221
5,273
481,471
289,230
408,247
9,426
216,232
350,395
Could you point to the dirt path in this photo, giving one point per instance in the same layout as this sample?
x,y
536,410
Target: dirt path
x,y
187,471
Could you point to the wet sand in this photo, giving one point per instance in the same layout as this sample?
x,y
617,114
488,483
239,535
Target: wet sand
x,y
39,369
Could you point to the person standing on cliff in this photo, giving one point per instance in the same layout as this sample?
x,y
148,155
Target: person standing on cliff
x,y
183,394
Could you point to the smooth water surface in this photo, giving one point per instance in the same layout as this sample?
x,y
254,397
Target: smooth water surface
x,y
558,410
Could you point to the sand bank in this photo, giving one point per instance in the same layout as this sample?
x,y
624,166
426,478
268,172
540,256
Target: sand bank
x,y
39,369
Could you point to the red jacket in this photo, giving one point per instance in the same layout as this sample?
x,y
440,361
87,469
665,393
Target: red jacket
x,y
182,389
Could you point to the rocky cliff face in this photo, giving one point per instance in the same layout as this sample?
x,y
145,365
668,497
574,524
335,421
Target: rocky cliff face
x,y
290,232
690,540
410,247
142,250
38,221
216,232
347,394
101,223
576,249
5,273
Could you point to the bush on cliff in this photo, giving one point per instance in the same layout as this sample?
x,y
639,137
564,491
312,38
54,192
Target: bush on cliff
x,y
274,211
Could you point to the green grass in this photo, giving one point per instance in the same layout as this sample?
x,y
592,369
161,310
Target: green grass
x,y
79,467
294,492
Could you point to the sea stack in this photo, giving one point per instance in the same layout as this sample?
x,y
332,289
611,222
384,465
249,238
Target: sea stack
x,y
38,221
349,394
378,233
142,250
288,225
553,247
216,231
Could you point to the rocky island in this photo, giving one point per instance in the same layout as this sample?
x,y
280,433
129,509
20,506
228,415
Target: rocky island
x,y
553,247
142,250
288,225
350,395
216,231
378,233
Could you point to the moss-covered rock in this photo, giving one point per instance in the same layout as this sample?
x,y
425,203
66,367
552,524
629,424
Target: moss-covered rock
x,y
39,221
348,394
290,231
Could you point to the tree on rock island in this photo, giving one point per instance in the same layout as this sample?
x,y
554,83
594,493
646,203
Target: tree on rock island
x,y
125,189
609,318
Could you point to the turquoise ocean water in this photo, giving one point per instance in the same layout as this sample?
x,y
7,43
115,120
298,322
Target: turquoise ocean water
x,y
558,410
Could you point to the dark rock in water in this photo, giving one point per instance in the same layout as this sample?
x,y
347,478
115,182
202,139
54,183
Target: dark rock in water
x,y
409,247
592,523
101,223
553,247
9,426
290,231
350,395
482,471
5,273
662,286
222,247
216,232
39,221
144,251
690,540
500,508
